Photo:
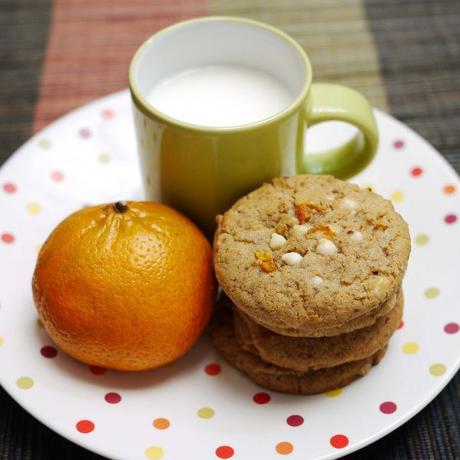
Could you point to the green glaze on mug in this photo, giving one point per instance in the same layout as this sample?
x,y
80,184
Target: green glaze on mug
x,y
202,175
335,102
202,171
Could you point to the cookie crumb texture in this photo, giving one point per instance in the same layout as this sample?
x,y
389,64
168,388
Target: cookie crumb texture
x,y
358,274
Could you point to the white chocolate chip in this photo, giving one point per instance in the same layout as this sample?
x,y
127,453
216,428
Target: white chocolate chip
x,y
277,241
326,247
348,203
356,236
291,258
301,230
317,280
330,197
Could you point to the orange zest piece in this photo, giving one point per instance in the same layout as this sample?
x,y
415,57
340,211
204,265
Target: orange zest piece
x,y
266,262
377,225
380,225
304,211
324,229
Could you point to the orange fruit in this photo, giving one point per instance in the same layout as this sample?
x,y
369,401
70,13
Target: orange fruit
x,y
126,286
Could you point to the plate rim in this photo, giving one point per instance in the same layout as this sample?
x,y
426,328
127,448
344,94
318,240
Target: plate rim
x,y
390,427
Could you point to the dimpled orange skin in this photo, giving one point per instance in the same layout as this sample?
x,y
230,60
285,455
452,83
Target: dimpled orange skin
x,y
128,290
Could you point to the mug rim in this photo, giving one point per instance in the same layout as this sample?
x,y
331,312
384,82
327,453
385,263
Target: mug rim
x,y
143,105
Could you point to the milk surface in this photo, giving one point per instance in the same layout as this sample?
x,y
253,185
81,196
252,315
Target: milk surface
x,y
220,96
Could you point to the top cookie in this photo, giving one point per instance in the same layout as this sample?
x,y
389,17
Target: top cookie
x,y
310,251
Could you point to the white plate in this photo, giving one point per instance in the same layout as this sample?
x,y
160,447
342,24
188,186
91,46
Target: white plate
x,y
89,156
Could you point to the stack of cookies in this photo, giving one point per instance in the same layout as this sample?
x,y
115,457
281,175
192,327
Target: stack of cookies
x,y
311,268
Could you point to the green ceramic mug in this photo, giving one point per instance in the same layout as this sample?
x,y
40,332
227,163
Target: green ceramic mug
x,y
201,170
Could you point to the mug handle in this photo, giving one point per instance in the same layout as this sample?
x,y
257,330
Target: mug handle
x,y
329,102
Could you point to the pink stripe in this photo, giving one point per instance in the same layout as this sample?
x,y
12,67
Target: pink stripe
x,y
90,46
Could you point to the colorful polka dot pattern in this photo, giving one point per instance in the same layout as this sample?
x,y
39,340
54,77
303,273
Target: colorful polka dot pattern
x,y
261,398
212,369
161,423
224,452
339,441
48,351
104,158
7,238
206,412
57,176
9,187
284,448
398,144
85,133
33,207
422,239
450,219
85,426
416,172
410,348
107,114
112,398
333,393
24,383
154,453
388,407
449,189
295,422
437,369
397,196
431,293
451,328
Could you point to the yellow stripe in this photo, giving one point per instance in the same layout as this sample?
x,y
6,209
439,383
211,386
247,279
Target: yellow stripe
x,y
334,33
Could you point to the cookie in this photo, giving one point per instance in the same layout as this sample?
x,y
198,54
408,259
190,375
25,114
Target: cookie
x,y
342,328
310,252
307,354
281,379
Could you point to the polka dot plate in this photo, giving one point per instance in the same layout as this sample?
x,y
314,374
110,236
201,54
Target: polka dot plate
x,y
199,407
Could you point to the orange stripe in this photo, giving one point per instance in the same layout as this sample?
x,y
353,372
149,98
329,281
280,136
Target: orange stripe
x,y
91,43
